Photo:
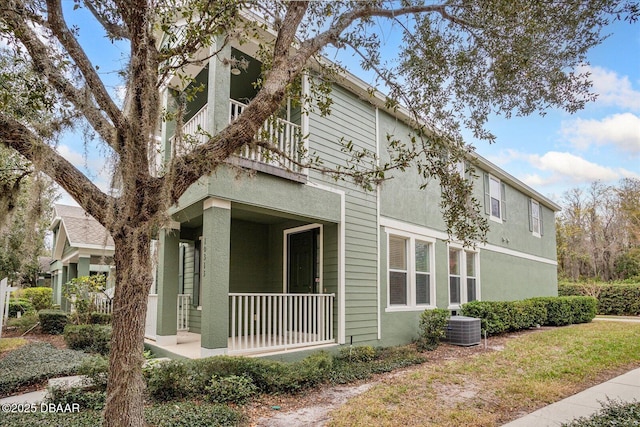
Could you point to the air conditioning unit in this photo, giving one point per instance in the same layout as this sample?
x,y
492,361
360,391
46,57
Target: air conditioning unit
x,y
463,331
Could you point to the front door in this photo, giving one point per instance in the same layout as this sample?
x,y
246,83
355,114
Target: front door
x,y
303,262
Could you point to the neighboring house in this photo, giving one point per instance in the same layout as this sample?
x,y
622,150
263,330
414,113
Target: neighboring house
x,y
283,258
44,275
81,247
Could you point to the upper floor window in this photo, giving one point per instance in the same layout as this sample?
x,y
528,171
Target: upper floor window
x,y
495,198
411,281
535,218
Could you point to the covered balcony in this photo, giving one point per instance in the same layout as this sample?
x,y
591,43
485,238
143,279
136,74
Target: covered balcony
x,y
284,135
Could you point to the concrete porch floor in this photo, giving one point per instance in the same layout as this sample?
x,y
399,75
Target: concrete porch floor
x,y
189,344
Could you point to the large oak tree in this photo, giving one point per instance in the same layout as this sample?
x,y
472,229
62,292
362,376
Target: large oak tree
x,y
456,62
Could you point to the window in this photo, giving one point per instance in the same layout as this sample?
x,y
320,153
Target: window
x,y
410,279
463,276
454,276
397,271
535,218
494,198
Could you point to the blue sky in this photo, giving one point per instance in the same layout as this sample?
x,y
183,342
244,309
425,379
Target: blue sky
x,y
601,142
551,154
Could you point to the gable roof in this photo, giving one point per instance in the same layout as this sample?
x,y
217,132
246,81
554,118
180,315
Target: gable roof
x,y
81,229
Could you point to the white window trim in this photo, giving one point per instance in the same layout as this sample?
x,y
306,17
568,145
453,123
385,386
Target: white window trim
x,y
463,275
411,271
533,232
500,197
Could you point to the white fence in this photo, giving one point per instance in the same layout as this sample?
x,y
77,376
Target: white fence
x,y
262,322
102,303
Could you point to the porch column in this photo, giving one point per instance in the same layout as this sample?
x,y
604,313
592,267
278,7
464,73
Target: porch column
x,y
168,254
72,271
83,266
216,243
64,278
218,87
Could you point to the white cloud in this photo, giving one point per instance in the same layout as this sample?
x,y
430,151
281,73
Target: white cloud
x,y
619,130
95,167
613,90
568,168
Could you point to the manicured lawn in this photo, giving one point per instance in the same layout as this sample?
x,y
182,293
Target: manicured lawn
x,y
495,387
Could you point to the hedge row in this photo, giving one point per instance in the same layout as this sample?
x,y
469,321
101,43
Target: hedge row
x,y
507,316
613,299
236,379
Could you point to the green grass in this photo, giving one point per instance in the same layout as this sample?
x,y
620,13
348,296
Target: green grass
x,y
533,370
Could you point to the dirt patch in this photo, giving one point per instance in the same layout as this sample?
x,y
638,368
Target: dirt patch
x,y
36,336
312,408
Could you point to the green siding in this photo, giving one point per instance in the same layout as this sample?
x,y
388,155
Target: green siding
x,y
505,277
354,120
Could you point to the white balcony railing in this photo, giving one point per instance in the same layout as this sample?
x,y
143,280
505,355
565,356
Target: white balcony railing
x,y
183,312
263,322
283,134
194,127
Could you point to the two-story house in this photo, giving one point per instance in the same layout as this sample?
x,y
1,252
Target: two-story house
x,y
263,256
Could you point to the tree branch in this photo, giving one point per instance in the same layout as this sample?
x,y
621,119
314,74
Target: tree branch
x,y
113,29
42,63
59,28
15,135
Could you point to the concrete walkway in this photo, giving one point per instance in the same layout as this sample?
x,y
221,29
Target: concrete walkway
x,y
625,388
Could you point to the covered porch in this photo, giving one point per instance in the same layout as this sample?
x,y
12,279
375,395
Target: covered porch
x,y
238,279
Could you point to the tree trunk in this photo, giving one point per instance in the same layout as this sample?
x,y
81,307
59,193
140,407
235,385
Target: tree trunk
x,y
125,389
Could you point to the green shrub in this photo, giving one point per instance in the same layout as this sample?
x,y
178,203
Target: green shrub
x,y
36,362
182,414
189,414
21,305
52,321
432,327
363,353
344,372
96,318
96,369
87,399
169,381
90,338
308,372
613,413
24,323
385,359
505,316
41,297
234,388
617,299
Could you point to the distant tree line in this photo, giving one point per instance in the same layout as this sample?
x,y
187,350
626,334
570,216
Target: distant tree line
x,y
598,232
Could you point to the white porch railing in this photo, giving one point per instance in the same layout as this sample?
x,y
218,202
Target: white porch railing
x,y
261,322
183,312
284,135
102,303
